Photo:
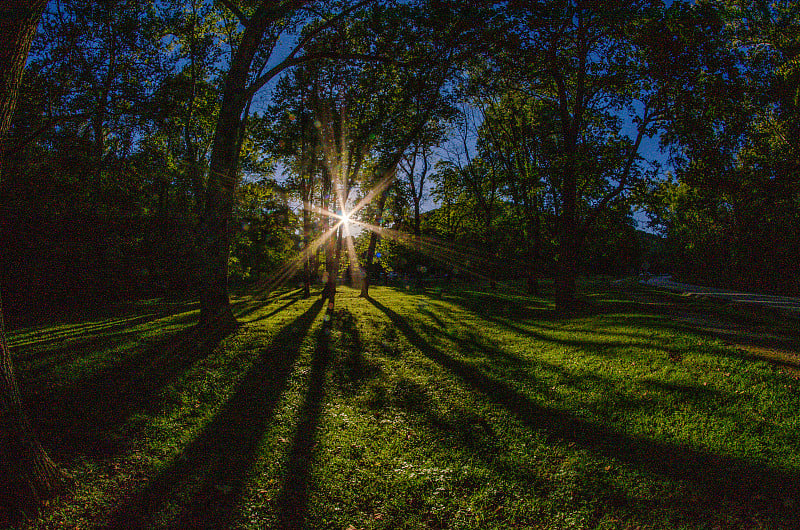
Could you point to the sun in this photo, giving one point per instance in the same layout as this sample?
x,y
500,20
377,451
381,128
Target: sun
x,y
346,219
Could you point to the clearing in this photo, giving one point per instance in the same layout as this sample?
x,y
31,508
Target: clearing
x,y
458,408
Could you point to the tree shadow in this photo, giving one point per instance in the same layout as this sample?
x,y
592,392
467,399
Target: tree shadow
x,y
519,305
24,341
598,347
201,488
292,501
77,316
717,478
349,369
91,416
754,337
274,312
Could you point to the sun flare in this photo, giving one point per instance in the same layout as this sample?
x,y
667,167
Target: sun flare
x,y
346,219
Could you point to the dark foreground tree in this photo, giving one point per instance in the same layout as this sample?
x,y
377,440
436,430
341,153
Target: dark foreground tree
x,y
27,474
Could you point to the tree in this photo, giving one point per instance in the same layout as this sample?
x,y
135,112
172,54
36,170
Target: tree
x,y
247,74
731,216
288,131
512,134
83,118
28,473
585,63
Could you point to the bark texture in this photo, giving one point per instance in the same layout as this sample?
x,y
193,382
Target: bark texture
x,y
27,474
214,231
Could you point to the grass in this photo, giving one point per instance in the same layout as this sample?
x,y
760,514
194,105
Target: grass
x,y
464,408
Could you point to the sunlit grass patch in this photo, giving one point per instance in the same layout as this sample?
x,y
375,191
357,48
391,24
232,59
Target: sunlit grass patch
x,y
462,408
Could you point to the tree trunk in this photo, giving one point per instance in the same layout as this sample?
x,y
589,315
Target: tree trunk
x,y
306,243
565,278
214,229
373,241
534,246
329,292
568,243
18,21
27,474
533,282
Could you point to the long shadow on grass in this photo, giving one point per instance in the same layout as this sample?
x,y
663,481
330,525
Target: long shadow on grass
x,y
717,477
91,416
274,312
98,331
659,320
202,487
293,497
756,334
597,346
350,369
519,306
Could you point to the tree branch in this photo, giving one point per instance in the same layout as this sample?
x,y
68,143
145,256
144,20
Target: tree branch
x,y
623,181
295,61
236,12
20,144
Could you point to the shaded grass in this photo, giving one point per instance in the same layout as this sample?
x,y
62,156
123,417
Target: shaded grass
x,y
419,409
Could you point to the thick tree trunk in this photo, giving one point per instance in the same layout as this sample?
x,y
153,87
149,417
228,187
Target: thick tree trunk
x,y
568,243
27,474
214,229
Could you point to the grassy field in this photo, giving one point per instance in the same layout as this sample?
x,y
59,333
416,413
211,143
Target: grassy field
x,y
421,409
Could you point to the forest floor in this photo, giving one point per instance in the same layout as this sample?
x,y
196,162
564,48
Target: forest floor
x,y
456,408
